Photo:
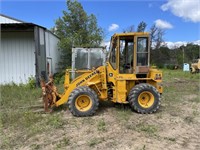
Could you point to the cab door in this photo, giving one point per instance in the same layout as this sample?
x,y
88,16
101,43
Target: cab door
x,y
126,55
125,66
142,54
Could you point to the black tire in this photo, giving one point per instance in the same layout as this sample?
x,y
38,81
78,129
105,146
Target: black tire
x,y
78,97
144,92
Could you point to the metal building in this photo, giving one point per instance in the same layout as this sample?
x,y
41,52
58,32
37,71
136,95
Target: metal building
x,y
27,50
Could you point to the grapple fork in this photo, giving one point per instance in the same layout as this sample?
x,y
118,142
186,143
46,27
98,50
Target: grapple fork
x,y
49,93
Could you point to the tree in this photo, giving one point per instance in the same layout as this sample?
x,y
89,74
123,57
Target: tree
x,y
129,29
161,56
76,28
156,35
141,26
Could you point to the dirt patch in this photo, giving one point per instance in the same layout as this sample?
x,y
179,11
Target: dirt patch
x,y
118,128
191,96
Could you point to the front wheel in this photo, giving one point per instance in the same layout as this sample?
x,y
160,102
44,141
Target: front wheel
x,y
83,101
144,98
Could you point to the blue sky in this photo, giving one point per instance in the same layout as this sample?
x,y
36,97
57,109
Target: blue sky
x,y
180,18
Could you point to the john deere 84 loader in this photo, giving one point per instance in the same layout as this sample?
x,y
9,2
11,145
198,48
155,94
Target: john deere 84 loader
x,y
125,78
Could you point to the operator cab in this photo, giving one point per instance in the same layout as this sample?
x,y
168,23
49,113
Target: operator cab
x,y
129,53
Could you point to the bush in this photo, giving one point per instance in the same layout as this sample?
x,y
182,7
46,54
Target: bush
x,y
59,77
31,82
170,66
160,66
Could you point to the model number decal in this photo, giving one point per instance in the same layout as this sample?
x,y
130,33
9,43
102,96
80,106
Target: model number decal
x,y
86,78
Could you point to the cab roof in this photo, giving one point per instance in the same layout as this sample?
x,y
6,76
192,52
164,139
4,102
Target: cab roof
x,y
132,34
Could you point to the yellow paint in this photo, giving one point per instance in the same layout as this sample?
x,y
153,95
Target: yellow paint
x,y
91,78
155,75
121,91
98,79
195,66
83,103
146,99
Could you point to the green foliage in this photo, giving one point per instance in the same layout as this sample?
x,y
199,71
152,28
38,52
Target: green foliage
x,y
142,26
160,56
31,82
76,29
165,57
59,77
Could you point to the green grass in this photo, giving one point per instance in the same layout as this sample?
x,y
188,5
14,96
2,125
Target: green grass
x,y
63,143
55,121
95,141
14,97
123,114
179,86
189,119
101,125
147,128
170,139
18,115
169,75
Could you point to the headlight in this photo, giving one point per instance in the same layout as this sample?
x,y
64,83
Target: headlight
x,y
158,77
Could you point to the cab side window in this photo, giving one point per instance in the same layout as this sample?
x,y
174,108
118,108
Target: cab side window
x,y
142,51
126,55
112,58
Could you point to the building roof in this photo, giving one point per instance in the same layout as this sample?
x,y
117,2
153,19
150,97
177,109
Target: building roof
x,y
9,20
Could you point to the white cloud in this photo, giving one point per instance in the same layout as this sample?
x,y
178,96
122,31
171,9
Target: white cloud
x,y
113,27
177,44
172,45
105,43
187,9
197,42
163,24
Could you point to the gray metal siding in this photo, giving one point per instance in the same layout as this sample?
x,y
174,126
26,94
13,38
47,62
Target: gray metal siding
x,y
52,51
39,35
17,57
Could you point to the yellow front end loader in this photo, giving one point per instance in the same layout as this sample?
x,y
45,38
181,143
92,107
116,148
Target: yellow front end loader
x,y
195,66
125,78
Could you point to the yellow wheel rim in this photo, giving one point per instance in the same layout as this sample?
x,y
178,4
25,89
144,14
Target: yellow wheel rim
x,y
146,99
83,103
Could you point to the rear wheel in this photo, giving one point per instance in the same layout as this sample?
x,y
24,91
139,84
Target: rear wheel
x,y
144,98
83,101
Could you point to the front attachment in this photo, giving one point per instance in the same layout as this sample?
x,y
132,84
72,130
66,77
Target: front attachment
x,y
49,93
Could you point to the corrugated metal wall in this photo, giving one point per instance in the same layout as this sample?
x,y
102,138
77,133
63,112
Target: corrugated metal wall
x,y
17,57
39,34
52,52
